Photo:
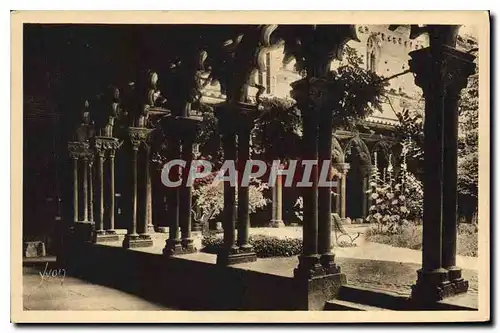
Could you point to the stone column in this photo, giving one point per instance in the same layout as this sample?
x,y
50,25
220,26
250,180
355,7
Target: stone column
x,y
85,189
433,67
309,265
173,243
105,230
148,223
246,124
75,187
138,135
277,192
111,229
366,195
100,170
91,190
460,66
327,257
229,223
343,168
185,197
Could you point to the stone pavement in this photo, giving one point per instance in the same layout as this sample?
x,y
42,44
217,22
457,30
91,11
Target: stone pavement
x,y
59,292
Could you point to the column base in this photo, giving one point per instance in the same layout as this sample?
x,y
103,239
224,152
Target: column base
x,y
174,247
101,236
432,286
276,224
83,231
235,255
309,267
196,227
313,293
162,230
460,285
134,241
188,245
150,229
327,261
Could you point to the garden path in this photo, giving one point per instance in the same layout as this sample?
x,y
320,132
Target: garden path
x,y
365,249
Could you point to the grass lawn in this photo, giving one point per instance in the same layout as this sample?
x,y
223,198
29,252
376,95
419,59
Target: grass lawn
x,y
411,238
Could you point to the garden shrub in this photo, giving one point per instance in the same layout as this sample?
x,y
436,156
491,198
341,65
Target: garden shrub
x,y
264,246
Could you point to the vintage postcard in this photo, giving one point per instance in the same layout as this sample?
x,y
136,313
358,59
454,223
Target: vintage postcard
x,y
250,167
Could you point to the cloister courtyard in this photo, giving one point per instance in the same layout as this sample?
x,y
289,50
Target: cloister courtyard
x,y
347,110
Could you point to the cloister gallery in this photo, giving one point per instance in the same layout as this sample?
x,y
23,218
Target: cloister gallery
x,y
152,103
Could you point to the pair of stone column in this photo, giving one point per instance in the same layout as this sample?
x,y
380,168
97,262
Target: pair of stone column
x,y
81,154
236,122
317,258
182,133
140,238
442,72
105,148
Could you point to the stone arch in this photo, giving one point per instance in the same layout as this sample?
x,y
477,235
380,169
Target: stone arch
x,y
361,150
337,151
382,149
357,155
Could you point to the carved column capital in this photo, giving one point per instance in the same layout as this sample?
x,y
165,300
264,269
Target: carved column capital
x,y
138,135
343,168
103,144
454,70
78,150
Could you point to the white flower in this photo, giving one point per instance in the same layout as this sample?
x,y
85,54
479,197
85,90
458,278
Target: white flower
x,y
374,196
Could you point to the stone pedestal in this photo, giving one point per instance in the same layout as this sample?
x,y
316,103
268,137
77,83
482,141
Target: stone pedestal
x,y
135,241
314,292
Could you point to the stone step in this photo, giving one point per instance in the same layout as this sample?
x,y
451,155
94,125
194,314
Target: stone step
x,y
340,305
373,297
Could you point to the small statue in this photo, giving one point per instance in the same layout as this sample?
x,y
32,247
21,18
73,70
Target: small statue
x,y
155,98
115,110
143,117
82,132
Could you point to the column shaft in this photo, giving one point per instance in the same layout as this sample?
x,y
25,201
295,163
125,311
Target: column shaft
x,y
173,206
450,137
324,192
75,189
100,226
111,191
229,146
85,190
133,229
147,227
185,201
91,192
310,196
343,193
432,218
243,195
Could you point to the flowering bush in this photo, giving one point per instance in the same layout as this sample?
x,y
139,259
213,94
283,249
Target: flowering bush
x,y
395,204
208,197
